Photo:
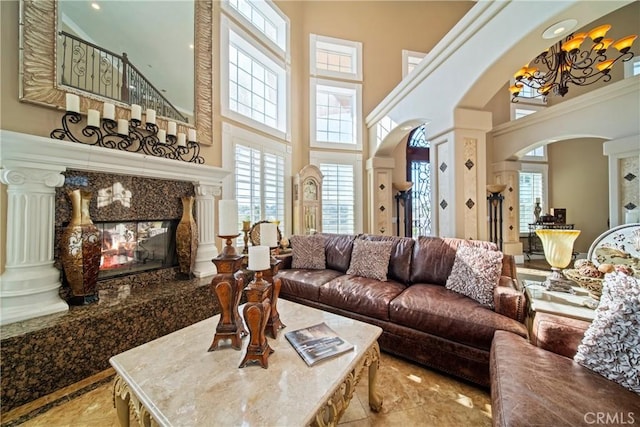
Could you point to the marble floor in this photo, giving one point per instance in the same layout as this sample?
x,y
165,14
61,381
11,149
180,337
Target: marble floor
x,y
412,395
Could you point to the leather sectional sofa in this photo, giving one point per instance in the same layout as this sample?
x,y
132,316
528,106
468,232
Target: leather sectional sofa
x,y
538,383
421,320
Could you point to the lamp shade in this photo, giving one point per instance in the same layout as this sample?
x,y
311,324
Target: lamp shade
x,y
598,33
624,44
558,246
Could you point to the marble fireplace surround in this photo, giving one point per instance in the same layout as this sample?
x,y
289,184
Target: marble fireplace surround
x,y
32,168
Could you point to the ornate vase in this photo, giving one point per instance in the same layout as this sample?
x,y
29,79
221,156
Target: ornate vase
x,y
187,238
80,250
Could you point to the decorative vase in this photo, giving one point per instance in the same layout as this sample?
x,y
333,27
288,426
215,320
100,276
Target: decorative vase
x,y
187,238
80,250
536,212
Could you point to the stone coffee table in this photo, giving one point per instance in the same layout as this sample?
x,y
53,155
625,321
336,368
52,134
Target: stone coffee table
x,y
174,380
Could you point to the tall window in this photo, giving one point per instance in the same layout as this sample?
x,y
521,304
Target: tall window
x,y
335,99
410,61
419,172
261,176
341,191
259,180
533,187
254,65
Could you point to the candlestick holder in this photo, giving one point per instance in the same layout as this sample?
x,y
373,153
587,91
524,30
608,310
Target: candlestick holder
x,y
256,313
227,287
246,227
274,324
138,139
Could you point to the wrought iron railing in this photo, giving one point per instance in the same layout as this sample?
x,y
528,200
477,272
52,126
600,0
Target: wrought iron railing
x,y
93,69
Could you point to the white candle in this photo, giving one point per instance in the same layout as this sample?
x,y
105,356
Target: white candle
x,y
136,112
192,135
172,128
228,218
162,136
73,103
109,111
259,258
93,118
631,217
182,140
151,116
268,234
123,127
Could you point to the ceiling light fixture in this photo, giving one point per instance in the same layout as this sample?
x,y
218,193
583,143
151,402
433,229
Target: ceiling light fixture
x,y
96,6
565,63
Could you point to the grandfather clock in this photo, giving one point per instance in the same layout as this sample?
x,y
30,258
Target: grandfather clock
x,y
307,201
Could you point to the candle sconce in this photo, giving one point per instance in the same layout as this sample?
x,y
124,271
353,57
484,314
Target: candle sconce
x,y
138,139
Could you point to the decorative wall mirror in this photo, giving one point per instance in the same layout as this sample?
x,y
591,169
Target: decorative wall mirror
x,y
39,52
307,200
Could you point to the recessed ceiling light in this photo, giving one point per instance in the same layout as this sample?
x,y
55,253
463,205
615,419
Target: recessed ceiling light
x,y
96,6
559,29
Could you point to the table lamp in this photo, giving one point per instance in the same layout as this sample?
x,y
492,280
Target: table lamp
x,y
558,250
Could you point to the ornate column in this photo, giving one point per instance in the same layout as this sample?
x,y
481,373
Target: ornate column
x,y
507,173
29,286
205,213
380,176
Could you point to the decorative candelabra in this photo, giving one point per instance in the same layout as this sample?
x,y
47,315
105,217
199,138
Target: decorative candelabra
x,y
246,227
495,199
257,310
404,196
227,285
127,135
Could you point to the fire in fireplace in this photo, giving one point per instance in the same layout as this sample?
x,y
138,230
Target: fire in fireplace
x,y
134,246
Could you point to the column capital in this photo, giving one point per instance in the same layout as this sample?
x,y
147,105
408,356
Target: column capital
x,y
204,190
26,175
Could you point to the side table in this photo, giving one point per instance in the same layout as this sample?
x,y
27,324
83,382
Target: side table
x,y
578,305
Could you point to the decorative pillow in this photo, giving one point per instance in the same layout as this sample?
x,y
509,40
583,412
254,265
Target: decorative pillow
x,y
611,344
308,252
475,273
370,259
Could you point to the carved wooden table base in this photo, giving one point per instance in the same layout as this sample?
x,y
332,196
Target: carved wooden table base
x,y
330,413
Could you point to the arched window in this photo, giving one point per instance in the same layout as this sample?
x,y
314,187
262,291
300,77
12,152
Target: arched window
x,y
419,172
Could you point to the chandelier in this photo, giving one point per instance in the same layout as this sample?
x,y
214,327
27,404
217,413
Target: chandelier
x,y
565,63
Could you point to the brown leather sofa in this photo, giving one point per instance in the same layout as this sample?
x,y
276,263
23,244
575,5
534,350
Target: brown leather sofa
x,y
539,384
421,320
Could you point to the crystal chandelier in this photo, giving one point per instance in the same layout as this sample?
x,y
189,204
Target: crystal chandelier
x,y
565,63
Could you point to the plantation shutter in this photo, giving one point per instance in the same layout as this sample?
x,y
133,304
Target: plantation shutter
x,y
338,198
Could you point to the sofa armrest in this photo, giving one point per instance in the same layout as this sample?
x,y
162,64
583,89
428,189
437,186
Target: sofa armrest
x,y
508,300
286,260
558,334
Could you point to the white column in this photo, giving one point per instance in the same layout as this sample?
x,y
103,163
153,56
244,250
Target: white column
x,y
507,172
29,286
380,175
206,220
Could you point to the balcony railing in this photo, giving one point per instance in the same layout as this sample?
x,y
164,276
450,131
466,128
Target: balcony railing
x,y
93,69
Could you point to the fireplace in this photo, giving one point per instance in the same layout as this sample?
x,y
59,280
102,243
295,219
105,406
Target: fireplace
x,y
135,246
34,168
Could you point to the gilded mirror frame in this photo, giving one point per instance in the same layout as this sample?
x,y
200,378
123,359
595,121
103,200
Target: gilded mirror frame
x,y
37,61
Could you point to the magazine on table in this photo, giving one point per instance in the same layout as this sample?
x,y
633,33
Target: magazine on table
x,y
317,342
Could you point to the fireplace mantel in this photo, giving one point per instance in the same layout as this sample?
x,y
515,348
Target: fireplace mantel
x,y
32,168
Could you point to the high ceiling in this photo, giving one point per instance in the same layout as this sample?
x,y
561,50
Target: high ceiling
x,y
155,34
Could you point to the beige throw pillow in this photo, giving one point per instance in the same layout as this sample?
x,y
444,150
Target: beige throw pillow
x,y
308,252
370,259
475,273
611,344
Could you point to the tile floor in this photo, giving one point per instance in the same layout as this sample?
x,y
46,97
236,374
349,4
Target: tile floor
x,y
413,396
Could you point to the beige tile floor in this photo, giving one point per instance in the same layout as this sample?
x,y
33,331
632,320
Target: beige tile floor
x,y
413,396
